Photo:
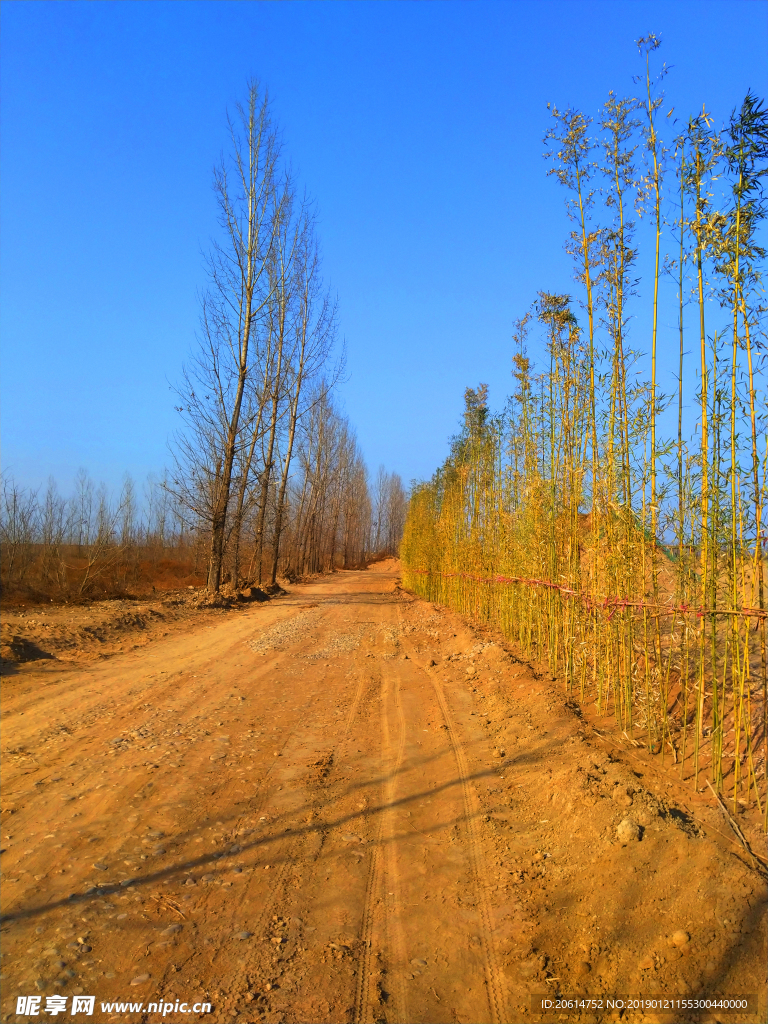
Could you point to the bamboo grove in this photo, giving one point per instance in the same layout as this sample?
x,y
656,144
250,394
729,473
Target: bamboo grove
x,y
609,533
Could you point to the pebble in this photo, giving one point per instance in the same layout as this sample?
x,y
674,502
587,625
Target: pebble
x,y
431,663
171,929
244,935
621,797
498,752
159,851
140,979
190,881
418,963
349,838
583,969
218,757
681,938
86,949
208,878
628,831
235,849
101,867
238,870
121,917
646,964
126,882
157,834
40,984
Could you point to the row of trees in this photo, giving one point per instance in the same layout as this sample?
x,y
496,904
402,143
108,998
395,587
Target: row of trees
x,y
94,542
266,473
91,541
632,562
257,398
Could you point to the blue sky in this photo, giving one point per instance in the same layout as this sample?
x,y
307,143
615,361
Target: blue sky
x,y
416,126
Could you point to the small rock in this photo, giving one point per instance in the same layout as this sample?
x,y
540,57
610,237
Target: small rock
x,y
101,867
190,881
244,935
538,856
268,987
208,878
40,984
498,752
431,663
628,831
86,949
681,938
418,963
158,851
235,849
277,940
583,969
140,979
126,882
646,964
121,917
621,797
172,929
218,757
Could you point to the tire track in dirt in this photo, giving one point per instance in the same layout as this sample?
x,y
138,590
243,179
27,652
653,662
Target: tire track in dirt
x,y
290,852
383,876
494,977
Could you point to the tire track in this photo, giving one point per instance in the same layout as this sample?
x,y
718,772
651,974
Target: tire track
x,y
383,878
471,811
289,852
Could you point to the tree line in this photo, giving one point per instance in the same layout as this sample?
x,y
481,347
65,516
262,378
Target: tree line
x,y
266,473
257,398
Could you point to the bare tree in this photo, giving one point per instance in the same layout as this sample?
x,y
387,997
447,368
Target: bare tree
x,y
214,387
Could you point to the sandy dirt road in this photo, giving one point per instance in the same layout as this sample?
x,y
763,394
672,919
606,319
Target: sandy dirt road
x,y
348,805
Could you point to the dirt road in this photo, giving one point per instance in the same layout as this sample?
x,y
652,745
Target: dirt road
x,y
347,805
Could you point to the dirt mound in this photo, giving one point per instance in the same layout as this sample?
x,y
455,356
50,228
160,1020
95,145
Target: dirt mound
x,y
385,565
84,632
17,648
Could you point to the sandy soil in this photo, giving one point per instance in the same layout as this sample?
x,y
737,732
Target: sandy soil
x,y
349,805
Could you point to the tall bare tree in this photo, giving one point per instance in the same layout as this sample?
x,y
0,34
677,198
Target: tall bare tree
x,y
214,387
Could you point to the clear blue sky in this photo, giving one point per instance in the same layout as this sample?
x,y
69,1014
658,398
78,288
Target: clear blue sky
x,y
417,127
